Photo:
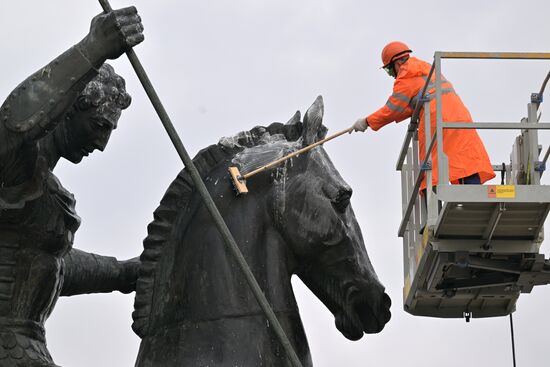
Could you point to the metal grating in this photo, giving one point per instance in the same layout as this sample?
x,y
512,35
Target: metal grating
x,y
471,220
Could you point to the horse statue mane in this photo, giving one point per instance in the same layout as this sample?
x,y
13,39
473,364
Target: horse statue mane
x,y
180,192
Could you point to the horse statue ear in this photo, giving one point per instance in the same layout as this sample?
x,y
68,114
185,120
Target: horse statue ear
x,y
294,119
313,129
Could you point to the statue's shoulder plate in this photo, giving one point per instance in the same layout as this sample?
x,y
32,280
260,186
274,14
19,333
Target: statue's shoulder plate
x,y
25,106
43,97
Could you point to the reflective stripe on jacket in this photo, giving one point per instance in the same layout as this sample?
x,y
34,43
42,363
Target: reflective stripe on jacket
x,y
464,148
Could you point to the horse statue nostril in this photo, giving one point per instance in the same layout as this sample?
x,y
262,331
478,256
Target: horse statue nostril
x,y
342,199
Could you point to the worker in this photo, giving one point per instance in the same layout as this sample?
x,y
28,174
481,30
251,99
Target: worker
x,y
468,160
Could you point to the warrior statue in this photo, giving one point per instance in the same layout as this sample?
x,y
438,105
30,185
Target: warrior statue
x,y
66,109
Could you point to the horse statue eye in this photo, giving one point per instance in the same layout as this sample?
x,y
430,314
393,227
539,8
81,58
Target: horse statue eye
x,y
342,199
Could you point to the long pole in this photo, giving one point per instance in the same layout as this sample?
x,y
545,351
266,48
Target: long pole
x,y
513,342
228,239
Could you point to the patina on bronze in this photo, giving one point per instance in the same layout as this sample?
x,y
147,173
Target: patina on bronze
x,y
67,109
193,306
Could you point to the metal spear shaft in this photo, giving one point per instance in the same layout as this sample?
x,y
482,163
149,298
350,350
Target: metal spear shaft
x,y
229,241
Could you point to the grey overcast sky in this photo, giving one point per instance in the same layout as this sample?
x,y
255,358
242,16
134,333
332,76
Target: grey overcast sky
x,y
225,66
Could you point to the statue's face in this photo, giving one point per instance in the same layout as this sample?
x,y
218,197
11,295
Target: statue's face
x,y
89,129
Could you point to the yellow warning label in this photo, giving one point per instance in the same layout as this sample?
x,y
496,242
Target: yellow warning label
x,y
501,191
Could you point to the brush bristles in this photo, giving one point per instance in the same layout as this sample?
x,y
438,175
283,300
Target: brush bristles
x,y
238,183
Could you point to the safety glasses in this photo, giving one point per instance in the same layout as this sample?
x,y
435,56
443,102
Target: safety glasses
x,y
390,70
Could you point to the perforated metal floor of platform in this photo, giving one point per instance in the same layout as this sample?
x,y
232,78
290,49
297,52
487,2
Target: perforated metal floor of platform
x,y
510,220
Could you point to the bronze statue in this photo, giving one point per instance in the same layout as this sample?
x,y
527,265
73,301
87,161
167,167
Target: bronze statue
x,y
66,109
193,306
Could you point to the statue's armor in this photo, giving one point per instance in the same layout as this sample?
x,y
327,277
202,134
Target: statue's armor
x,y
37,103
37,216
33,240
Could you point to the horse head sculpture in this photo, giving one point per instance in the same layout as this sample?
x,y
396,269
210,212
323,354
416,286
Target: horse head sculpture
x,y
193,306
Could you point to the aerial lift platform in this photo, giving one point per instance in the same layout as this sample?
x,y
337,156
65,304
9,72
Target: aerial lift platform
x,y
471,250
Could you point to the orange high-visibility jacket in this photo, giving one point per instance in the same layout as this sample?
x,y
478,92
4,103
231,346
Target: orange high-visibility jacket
x,y
464,148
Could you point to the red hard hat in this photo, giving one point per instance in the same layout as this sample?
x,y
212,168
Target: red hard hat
x,y
394,50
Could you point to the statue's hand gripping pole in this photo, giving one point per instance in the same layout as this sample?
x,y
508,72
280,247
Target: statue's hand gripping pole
x,y
229,241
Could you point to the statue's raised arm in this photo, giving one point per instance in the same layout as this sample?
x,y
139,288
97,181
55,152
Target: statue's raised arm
x,y
38,104
67,109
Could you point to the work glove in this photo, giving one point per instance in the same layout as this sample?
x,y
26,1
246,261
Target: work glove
x,y
360,125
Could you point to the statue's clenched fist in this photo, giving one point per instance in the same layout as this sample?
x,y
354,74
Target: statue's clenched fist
x,y
112,34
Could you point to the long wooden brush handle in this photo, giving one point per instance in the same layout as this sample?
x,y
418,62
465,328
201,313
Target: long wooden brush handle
x,y
294,154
